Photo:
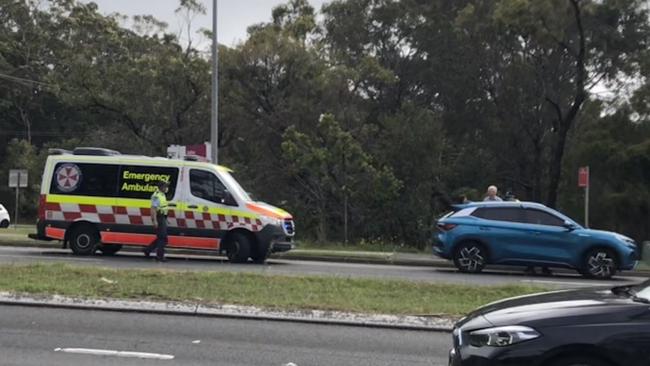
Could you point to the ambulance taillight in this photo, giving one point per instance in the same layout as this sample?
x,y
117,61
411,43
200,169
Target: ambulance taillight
x,y
41,207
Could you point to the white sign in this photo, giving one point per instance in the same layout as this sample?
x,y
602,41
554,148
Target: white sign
x,y
17,178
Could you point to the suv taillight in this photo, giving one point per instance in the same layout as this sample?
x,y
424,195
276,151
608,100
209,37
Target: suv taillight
x,y
446,227
41,208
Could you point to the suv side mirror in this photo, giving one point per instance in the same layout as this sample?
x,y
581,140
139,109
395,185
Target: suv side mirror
x,y
569,225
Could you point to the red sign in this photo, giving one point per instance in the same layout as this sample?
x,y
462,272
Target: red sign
x,y
198,150
583,177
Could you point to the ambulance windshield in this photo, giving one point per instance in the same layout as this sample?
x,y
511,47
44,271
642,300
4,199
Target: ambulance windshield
x,y
234,186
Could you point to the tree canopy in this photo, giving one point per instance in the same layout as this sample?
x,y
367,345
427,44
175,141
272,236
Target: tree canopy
x,y
365,118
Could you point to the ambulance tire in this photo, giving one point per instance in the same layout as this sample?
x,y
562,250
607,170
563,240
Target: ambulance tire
x,y
4,224
83,240
260,253
110,249
238,248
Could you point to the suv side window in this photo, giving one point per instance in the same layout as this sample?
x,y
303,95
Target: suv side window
x,y
509,214
206,185
539,217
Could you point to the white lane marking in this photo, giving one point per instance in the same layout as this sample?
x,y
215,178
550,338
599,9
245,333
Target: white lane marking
x,y
107,352
196,341
289,364
583,284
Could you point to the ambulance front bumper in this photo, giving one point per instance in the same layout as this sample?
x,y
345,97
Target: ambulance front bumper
x,y
276,239
279,247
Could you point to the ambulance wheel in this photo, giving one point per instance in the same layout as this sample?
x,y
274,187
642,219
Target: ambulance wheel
x,y
4,224
260,253
238,248
110,249
83,240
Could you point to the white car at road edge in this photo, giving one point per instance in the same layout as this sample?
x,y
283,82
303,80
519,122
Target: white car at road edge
x,y
4,217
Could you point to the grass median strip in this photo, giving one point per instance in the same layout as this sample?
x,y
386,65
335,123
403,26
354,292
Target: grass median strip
x,y
274,292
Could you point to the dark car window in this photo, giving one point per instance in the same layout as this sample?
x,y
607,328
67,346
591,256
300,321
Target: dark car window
x,y
206,185
539,217
85,179
510,214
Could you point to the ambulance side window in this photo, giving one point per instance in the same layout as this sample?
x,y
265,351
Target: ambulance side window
x,y
84,179
206,185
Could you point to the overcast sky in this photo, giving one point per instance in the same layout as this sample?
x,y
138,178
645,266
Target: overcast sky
x,y
234,15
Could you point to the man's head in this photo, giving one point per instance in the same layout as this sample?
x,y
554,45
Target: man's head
x,y
492,191
163,186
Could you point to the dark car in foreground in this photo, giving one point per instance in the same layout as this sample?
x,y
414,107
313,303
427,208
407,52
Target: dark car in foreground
x,y
529,234
594,327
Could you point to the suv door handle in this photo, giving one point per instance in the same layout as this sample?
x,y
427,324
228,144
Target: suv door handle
x,y
194,207
484,228
536,232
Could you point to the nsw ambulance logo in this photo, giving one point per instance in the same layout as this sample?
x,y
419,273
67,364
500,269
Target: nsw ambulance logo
x,y
68,177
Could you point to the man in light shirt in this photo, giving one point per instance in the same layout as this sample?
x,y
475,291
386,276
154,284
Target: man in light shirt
x,y
492,194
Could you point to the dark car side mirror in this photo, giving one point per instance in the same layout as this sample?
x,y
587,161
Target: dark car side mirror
x,y
569,225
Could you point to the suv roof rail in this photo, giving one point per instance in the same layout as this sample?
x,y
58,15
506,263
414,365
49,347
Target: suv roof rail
x,y
57,151
95,151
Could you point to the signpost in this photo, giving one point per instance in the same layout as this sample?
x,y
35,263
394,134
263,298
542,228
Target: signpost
x,y
18,180
583,182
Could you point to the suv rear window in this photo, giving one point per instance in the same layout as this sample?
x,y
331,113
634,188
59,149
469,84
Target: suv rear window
x,y
509,214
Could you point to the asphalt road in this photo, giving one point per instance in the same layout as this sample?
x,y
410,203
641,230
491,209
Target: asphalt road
x,y
293,267
46,336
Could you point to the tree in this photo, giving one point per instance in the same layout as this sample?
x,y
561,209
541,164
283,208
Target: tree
x,y
332,173
568,47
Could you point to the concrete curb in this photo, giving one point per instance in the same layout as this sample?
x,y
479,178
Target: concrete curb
x,y
416,323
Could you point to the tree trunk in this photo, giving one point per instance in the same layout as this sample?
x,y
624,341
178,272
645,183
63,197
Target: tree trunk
x,y
565,122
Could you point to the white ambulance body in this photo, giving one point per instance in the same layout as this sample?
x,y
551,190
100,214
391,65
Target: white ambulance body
x,y
97,199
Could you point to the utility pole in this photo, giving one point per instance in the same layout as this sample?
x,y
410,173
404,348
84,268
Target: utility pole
x,y
214,125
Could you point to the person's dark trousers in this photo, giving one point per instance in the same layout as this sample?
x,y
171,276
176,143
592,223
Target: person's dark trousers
x,y
161,237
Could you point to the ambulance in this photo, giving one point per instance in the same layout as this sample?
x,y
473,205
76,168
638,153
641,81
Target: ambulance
x,y
98,199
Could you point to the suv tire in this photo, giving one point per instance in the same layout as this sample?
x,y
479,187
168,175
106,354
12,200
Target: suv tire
x,y
599,263
470,257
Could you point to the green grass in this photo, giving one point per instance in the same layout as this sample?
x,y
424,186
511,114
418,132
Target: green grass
x,y
363,246
274,292
18,230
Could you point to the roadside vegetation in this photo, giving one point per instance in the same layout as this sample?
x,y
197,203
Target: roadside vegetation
x,y
364,119
274,292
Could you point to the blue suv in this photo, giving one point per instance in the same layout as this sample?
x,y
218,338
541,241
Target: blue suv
x,y
529,234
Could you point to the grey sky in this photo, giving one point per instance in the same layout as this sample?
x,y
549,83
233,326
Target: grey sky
x,y
234,15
